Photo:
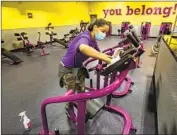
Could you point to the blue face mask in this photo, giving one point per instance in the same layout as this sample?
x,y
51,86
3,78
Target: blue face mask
x,y
100,35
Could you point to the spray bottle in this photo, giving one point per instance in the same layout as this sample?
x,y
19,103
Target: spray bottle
x,y
26,121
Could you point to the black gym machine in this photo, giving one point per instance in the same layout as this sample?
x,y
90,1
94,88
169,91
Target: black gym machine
x,y
73,33
83,26
28,47
165,29
124,27
52,35
145,30
68,37
7,54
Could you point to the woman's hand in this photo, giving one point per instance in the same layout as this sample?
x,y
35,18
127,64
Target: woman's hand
x,y
91,52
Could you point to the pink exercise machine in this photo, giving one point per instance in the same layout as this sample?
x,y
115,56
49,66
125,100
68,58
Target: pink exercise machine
x,y
145,30
114,75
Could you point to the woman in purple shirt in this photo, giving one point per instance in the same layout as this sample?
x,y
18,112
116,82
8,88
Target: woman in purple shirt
x,y
71,72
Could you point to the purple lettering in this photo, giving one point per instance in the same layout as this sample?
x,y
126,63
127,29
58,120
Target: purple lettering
x,y
167,11
143,10
129,10
111,12
137,11
118,12
157,11
149,11
105,12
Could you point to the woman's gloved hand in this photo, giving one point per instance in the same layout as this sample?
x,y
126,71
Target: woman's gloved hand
x,y
115,59
118,52
116,55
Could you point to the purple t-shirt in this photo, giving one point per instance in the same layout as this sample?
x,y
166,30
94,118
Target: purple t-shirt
x,y
73,57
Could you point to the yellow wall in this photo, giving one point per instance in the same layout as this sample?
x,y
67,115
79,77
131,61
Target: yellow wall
x,y
14,14
97,8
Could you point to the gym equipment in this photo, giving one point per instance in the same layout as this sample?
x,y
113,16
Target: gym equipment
x,y
28,46
41,46
74,32
155,47
94,105
50,33
7,54
68,37
145,30
83,26
165,29
120,46
125,43
124,27
136,41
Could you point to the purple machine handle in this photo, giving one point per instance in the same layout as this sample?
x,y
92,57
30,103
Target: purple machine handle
x,y
81,99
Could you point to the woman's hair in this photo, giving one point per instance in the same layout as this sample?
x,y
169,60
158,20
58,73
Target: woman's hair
x,y
99,23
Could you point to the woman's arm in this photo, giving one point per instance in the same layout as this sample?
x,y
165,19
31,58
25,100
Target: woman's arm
x,y
91,52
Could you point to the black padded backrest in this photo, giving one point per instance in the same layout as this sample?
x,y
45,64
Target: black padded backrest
x,y
26,38
16,34
128,51
47,33
72,31
131,38
140,52
66,35
120,65
23,33
19,38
